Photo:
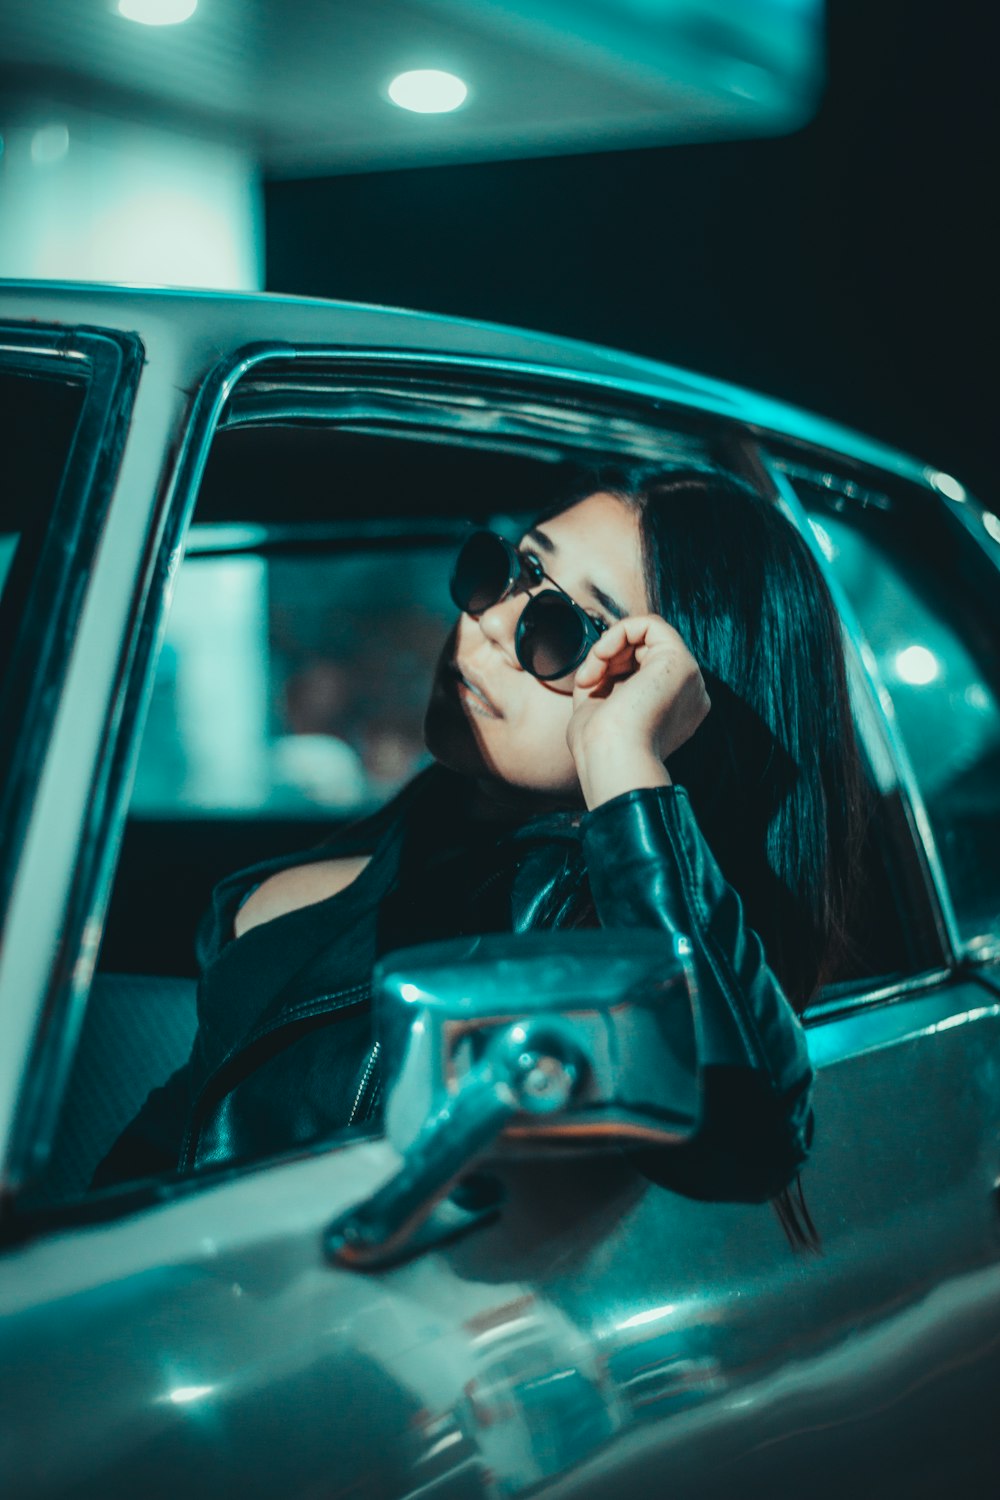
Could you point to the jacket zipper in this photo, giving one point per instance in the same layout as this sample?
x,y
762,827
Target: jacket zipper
x,y
368,1077
354,995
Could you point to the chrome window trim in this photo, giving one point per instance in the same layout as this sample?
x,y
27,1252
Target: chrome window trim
x,y
830,1007
931,869
934,1006
109,362
98,361
497,417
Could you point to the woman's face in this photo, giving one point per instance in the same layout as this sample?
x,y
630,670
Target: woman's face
x,y
487,716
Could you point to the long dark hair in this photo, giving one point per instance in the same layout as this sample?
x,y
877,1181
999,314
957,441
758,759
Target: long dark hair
x,y
773,772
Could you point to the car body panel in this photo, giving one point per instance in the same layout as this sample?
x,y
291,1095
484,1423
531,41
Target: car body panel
x,y
187,333
601,1336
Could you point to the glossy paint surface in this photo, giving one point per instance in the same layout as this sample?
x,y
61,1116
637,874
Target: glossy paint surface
x,y
601,1329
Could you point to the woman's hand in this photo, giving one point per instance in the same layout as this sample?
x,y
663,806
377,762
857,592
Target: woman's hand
x,y
637,697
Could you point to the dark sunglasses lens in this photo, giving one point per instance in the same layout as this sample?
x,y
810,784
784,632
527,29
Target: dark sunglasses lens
x,y
551,637
482,572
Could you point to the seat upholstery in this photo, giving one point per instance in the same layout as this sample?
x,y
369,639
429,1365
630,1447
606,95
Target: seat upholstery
x,y
137,1030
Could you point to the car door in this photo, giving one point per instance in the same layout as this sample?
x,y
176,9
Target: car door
x,y
602,1332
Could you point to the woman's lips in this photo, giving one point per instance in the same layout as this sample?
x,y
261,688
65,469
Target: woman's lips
x,y
475,695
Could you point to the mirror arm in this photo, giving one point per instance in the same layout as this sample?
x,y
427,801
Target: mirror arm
x,y
531,1066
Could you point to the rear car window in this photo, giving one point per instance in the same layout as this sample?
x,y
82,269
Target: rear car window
x,y
925,595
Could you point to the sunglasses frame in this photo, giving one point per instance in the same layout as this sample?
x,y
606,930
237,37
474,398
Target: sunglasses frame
x,y
528,571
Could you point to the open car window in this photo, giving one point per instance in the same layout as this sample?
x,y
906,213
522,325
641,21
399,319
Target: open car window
x,y
307,614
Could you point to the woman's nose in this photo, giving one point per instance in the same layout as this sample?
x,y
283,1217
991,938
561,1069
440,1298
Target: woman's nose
x,y
499,624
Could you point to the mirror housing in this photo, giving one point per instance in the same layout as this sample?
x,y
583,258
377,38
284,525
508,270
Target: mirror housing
x,y
515,1043
625,1003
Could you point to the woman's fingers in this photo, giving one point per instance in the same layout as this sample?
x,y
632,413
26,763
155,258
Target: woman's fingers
x,y
621,646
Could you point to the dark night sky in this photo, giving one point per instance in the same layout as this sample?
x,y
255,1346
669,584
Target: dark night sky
x,y
848,268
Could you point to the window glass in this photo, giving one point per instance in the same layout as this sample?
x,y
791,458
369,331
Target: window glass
x,y
38,418
925,596
293,684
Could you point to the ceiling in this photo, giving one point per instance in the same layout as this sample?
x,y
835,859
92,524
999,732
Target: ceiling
x,y
302,83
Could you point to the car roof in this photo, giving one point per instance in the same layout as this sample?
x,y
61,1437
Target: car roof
x,y
216,323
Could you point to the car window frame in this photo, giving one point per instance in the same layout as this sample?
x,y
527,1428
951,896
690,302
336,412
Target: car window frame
x,y
106,363
976,530
927,869
172,517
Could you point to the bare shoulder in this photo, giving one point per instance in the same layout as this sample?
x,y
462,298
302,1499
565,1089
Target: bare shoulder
x,y
303,885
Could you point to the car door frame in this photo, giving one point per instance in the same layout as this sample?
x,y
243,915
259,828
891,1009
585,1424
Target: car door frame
x,y
107,362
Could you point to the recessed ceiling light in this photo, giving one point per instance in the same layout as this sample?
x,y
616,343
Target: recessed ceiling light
x,y
157,12
49,144
427,91
917,665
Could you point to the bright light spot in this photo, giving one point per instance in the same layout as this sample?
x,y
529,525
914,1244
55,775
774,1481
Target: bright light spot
x,y
946,485
747,80
825,540
917,665
652,1316
427,91
977,697
182,1394
992,524
411,993
157,12
174,235
49,144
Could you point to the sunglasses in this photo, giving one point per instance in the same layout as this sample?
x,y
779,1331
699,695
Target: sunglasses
x,y
553,633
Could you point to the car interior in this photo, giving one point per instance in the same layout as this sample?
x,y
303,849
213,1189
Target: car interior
x,y
288,695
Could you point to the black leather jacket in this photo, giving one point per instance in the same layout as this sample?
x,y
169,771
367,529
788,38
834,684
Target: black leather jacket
x,y
284,1051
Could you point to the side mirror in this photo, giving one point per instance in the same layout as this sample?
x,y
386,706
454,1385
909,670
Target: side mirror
x,y
539,1041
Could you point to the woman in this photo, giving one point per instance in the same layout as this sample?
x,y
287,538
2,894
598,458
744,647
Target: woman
x,y
641,711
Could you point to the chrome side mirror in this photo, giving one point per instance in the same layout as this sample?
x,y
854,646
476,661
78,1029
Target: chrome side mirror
x,y
544,1040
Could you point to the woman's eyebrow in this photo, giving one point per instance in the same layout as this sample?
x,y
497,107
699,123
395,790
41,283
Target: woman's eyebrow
x,y
546,544
536,534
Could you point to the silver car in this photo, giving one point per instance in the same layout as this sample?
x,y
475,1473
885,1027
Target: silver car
x,y
225,530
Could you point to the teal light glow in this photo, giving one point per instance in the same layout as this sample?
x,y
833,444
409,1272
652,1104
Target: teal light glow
x,y
182,1395
991,525
917,665
49,144
947,485
653,1315
427,91
157,12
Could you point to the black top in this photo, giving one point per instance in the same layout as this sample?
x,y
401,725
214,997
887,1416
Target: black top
x,y
434,872
284,1043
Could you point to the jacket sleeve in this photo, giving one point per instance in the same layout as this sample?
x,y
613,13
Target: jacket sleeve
x,y
649,866
151,1143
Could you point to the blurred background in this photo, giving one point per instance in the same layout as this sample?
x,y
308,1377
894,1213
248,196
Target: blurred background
x,y
793,195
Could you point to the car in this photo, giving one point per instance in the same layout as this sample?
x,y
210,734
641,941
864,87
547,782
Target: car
x,y
226,525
